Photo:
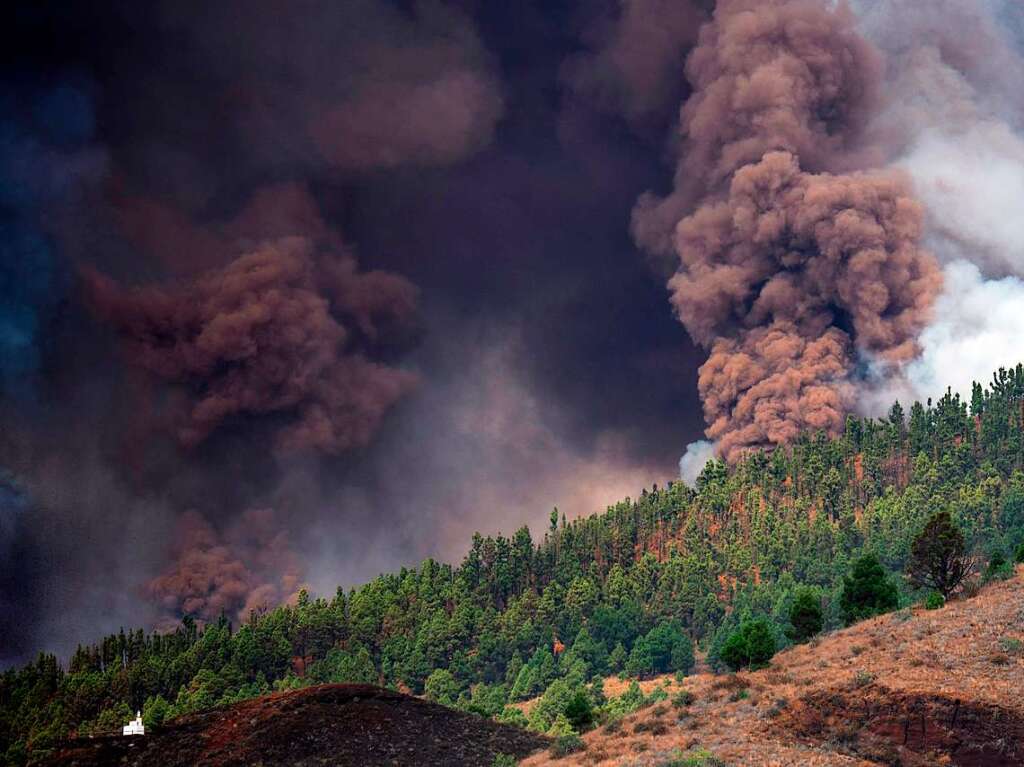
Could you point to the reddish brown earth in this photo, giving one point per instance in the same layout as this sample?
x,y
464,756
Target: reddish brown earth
x,y
916,688
337,725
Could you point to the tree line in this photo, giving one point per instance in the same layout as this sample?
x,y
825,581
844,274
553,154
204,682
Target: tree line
x,y
753,557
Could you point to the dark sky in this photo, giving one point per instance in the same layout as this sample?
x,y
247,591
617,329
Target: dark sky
x,y
487,153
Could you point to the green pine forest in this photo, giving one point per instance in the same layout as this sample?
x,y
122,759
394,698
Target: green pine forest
x,y
635,590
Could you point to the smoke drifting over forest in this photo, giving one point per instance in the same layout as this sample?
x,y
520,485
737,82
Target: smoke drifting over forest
x,y
298,295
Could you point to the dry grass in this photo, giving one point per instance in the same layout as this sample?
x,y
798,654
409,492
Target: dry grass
x,y
959,652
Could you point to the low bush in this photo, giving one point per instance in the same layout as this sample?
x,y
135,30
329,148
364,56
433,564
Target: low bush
x,y
999,569
1012,646
567,744
934,601
683,698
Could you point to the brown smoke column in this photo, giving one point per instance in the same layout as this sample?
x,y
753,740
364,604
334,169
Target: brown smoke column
x,y
251,566
791,271
282,329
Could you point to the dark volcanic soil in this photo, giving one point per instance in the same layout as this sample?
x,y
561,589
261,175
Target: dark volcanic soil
x,y
337,725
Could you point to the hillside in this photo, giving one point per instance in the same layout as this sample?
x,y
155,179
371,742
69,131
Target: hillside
x,y
340,725
635,589
913,688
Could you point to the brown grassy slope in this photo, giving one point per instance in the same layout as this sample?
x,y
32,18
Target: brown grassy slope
x,y
911,688
338,725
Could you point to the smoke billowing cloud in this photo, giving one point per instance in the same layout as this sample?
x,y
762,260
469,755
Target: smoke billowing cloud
x,y
788,272
273,332
634,60
251,566
304,260
953,123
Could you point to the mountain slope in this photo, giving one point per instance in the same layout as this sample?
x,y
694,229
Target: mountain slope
x,y
912,688
339,725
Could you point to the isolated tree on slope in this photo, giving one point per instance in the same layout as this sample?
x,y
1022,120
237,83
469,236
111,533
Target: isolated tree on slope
x,y
938,556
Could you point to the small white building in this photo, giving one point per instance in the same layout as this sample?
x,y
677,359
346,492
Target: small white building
x,y
134,727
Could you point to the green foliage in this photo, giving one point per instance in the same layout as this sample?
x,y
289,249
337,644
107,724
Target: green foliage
x,y
155,711
632,587
752,645
631,700
512,715
552,704
1018,555
441,687
487,700
998,569
867,591
805,615
1012,646
566,744
664,648
700,757
560,727
934,601
504,760
579,711
618,658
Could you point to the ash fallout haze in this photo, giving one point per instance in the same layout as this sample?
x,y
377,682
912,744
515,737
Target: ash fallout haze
x,y
293,294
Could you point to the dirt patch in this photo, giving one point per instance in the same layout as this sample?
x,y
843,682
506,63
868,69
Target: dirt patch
x,y
890,727
338,725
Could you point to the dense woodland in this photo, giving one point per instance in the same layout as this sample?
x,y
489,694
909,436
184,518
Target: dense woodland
x,y
632,590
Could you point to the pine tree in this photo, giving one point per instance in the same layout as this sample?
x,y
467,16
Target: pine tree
x,y
938,556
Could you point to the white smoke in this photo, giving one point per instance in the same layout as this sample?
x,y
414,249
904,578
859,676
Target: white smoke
x,y
695,459
954,123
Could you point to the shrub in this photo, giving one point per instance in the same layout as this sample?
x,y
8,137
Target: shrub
x,y
683,698
970,589
1018,555
701,757
805,615
579,711
504,760
155,711
867,591
1012,645
938,556
567,744
657,694
551,705
560,727
999,569
863,678
752,645
441,687
934,601
617,658
512,715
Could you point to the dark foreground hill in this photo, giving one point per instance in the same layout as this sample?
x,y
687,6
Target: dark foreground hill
x,y
337,724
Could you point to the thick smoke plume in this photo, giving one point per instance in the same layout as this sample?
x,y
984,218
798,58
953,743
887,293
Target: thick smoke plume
x,y
251,566
953,122
636,52
792,268
274,332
